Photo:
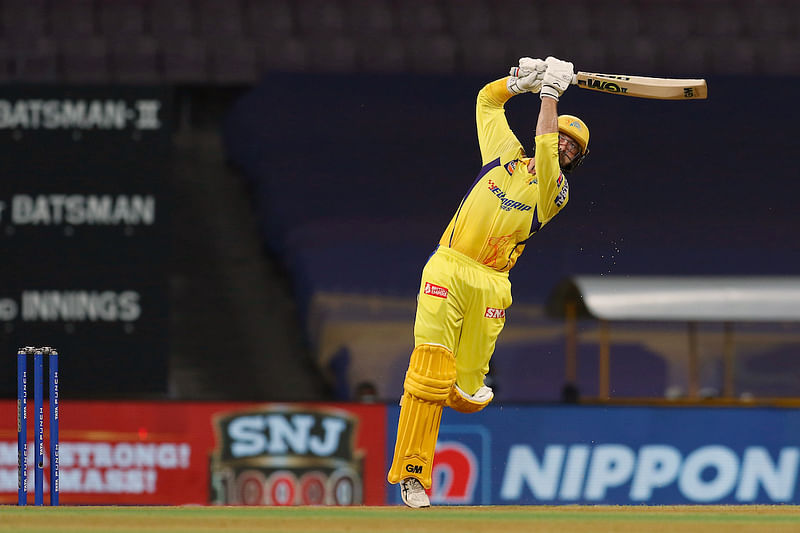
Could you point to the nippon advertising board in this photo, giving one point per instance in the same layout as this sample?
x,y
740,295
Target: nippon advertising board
x,y
85,233
235,453
178,453
614,455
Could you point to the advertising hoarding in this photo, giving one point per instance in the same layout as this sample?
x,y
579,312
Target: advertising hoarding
x,y
177,453
614,455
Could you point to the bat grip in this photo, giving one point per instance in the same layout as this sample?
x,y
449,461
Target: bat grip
x,y
574,79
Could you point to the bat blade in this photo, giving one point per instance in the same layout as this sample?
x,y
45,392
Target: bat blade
x,y
643,86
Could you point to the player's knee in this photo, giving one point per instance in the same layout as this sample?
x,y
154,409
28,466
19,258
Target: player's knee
x,y
431,373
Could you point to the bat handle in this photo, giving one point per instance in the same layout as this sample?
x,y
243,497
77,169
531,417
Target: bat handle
x,y
574,79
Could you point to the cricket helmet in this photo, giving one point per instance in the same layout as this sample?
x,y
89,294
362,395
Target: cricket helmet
x,y
575,128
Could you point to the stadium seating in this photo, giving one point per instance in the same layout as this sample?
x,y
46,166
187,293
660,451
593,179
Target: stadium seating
x,y
657,37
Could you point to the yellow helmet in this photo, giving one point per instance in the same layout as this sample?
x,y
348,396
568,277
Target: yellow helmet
x,y
575,128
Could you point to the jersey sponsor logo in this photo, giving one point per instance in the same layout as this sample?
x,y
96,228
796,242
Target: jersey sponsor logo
x,y
560,179
507,204
511,166
562,194
435,290
492,312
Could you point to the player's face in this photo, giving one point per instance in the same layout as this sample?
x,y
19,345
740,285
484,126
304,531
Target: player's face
x,y
568,149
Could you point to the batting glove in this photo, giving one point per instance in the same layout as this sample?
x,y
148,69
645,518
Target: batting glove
x,y
527,77
557,78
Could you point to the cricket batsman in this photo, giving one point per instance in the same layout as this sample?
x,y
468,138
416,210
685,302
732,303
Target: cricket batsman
x,y
465,290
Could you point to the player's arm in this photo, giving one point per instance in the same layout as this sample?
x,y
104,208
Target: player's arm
x,y
494,134
556,79
548,117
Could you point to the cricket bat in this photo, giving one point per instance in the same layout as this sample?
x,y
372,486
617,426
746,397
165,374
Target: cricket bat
x,y
643,86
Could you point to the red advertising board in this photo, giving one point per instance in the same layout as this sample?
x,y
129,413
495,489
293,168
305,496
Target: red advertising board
x,y
177,453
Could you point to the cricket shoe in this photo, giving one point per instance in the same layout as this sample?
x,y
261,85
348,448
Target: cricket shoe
x,y
413,493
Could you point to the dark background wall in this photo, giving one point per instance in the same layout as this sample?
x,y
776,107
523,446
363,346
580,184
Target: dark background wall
x,y
374,166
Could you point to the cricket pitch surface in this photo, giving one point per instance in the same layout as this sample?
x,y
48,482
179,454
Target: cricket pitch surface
x,y
502,519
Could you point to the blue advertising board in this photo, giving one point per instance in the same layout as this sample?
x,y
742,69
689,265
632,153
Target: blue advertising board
x,y
613,455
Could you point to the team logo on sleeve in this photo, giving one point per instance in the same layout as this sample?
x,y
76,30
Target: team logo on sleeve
x,y
492,312
511,166
435,290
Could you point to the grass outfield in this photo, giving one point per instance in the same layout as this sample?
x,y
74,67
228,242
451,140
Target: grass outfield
x,y
489,519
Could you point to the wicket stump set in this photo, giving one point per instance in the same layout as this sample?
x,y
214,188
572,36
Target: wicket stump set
x,y
38,423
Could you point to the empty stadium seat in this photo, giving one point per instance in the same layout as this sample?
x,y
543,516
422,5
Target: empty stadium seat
x,y
381,53
173,20
730,55
233,61
487,54
135,60
121,19
370,17
85,60
666,37
633,55
777,56
519,22
6,63
218,22
686,57
572,19
431,54
72,19
775,19
268,19
470,21
185,60
23,22
420,17
321,17
37,61
287,54
334,53
617,20
721,20
669,22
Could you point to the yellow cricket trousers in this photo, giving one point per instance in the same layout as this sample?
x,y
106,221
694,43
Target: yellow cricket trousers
x,y
462,306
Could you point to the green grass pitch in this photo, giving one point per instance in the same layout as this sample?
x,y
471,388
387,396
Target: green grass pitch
x,y
503,519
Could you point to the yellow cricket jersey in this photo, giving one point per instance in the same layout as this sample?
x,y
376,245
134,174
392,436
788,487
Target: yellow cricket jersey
x,y
506,204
